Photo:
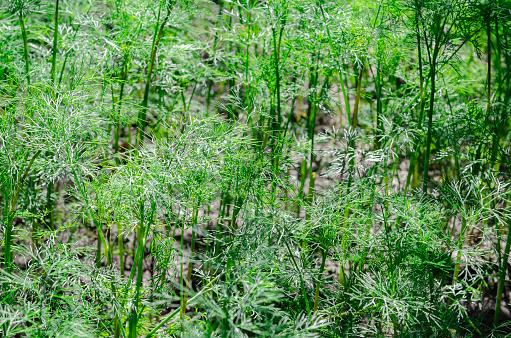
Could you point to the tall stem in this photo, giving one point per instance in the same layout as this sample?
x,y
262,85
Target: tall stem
x,y
430,127
415,154
210,81
142,233
341,82
318,283
461,239
379,105
190,264
421,71
25,47
413,162
55,42
10,215
354,120
98,249
488,94
50,205
124,77
277,119
303,174
312,188
502,275
156,42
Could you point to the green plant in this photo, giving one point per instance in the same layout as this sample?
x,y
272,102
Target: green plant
x,y
250,168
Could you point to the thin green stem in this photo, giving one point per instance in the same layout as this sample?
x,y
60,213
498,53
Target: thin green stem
x,y
430,127
55,43
10,215
156,42
25,46
318,283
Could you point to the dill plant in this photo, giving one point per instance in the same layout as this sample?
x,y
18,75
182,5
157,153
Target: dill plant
x,y
252,168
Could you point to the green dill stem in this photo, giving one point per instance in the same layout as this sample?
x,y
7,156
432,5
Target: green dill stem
x,y
181,277
140,259
422,105
300,275
318,283
343,88
84,196
488,75
98,250
117,328
67,54
156,42
379,104
413,160
421,72
477,166
497,130
416,170
498,62
50,205
210,82
303,175
109,248
389,180
119,105
247,62
35,224
176,311
394,169
264,134
310,196
282,137
312,127
503,260
302,284
139,253
312,110
238,203
435,46
386,178
190,263
120,241
354,124
503,269
112,284
224,200
342,277
461,239
25,46
309,200
10,215
183,100
276,53
430,125
55,42
454,146
191,96
502,275
354,120
274,108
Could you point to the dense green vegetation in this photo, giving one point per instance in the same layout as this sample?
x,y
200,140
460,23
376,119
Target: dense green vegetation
x,y
248,168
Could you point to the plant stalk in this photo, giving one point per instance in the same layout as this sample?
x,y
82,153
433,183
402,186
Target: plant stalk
x,y
502,275
25,46
55,43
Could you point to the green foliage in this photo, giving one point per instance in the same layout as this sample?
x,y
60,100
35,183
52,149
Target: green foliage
x,y
179,168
